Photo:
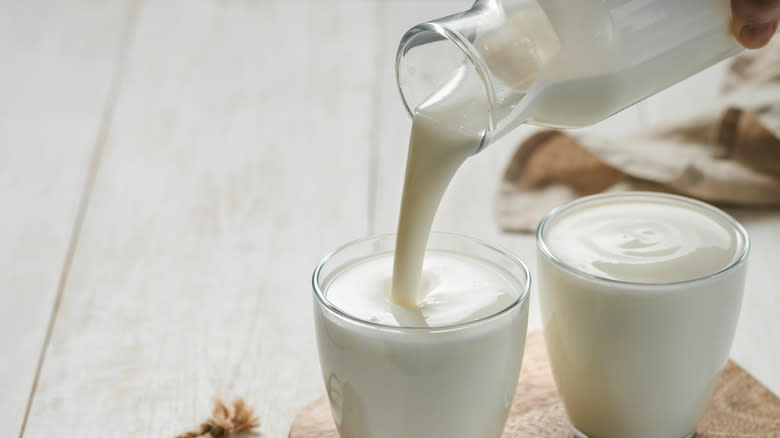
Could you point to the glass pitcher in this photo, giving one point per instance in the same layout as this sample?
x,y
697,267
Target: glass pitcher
x,y
563,63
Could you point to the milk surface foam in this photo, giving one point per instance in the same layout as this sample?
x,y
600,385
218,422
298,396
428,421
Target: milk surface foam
x,y
642,241
457,289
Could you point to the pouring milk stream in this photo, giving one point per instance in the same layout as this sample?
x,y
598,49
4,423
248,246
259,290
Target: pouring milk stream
x,y
552,62
468,79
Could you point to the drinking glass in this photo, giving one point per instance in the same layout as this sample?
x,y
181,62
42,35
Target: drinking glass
x,y
637,360
454,381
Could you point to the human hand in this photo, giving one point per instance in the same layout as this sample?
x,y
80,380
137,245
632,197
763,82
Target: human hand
x,y
754,22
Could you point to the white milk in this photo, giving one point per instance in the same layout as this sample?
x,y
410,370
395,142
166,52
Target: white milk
x,y
449,127
426,374
457,290
384,381
635,349
446,130
613,54
643,241
436,364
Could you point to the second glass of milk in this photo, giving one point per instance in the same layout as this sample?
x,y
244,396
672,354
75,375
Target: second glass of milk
x,y
400,374
640,295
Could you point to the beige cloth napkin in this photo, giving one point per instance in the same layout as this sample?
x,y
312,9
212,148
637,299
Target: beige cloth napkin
x,y
729,154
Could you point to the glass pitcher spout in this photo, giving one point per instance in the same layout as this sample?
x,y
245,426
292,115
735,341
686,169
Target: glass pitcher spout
x,y
503,52
562,63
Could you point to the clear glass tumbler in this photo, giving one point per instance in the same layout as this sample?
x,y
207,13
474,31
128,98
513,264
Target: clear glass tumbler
x,y
420,382
630,359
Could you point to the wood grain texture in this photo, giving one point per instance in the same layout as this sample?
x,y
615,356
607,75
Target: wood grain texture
x,y
741,406
57,60
236,159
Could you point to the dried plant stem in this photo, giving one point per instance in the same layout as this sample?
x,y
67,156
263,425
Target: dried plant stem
x,y
225,421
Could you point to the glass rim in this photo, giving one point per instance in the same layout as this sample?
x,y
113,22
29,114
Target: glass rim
x,y
471,54
521,298
739,259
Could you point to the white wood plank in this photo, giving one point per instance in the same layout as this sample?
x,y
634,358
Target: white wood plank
x,y
58,59
237,157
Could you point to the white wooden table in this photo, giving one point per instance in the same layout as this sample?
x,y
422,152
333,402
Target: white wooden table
x,y
172,170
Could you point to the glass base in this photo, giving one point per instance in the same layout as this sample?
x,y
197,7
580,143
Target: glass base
x,y
579,434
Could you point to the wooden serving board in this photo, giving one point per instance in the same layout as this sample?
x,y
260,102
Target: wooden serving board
x,y
741,406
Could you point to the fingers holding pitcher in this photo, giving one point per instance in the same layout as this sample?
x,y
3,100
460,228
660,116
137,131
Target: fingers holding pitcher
x,y
754,22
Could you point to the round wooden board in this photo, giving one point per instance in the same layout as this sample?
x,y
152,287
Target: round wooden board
x,y
741,406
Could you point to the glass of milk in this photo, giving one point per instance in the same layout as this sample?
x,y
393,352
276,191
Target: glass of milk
x,y
401,372
640,295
